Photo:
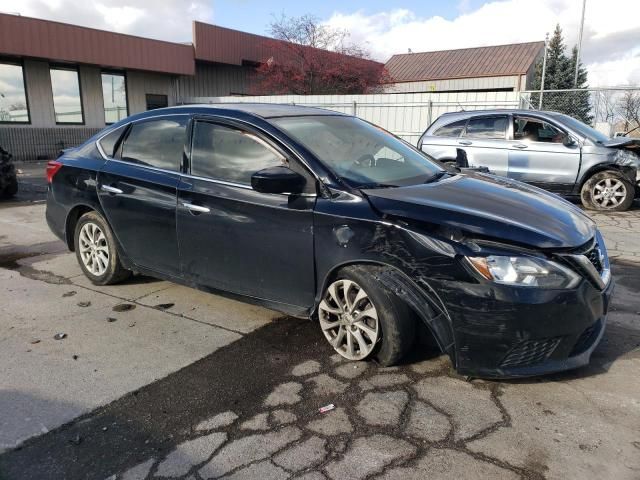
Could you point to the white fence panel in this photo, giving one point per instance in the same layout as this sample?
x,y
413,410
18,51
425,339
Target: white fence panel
x,y
404,114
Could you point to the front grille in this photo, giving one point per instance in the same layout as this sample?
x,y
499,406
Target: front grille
x,y
594,257
530,352
586,339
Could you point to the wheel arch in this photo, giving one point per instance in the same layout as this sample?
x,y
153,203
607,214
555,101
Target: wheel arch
x,y
72,220
602,167
427,306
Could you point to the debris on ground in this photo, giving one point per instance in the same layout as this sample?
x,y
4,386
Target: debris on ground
x,y
33,341
327,408
132,324
69,294
111,319
164,306
123,307
75,357
84,304
59,336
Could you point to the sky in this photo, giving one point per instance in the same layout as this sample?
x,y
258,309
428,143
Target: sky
x,y
610,48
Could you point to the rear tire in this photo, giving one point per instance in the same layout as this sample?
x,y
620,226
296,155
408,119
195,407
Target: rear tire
x,y
608,191
96,251
343,313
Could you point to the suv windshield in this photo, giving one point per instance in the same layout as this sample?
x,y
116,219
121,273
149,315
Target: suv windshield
x,y
358,152
582,128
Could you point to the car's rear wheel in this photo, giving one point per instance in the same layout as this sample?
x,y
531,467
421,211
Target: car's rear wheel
x,y
362,319
608,191
96,251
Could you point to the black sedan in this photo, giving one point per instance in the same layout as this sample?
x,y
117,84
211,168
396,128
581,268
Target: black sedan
x,y
325,216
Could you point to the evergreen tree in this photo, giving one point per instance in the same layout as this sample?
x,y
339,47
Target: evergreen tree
x,y
559,75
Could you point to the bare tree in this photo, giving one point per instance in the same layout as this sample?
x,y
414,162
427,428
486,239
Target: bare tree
x,y
630,107
309,57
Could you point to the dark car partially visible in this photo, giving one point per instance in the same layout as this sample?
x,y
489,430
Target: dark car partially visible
x,y
325,216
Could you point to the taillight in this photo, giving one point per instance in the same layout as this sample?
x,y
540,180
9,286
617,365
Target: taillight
x,y
52,168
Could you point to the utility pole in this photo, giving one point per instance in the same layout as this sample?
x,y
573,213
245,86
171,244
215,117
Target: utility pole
x,y
575,78
544,70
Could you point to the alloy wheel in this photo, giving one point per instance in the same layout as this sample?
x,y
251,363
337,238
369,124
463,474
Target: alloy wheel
x,y
609,193
349,320
94,249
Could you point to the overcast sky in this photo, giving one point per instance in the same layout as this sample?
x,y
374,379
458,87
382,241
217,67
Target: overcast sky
x,y
611,44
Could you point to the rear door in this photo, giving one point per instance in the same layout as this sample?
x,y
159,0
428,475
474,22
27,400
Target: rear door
x,y
484,142
234,238
138,191
538,154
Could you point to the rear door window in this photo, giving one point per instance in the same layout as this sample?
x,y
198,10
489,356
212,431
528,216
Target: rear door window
x,y
487,128
452,130
229,154
156,143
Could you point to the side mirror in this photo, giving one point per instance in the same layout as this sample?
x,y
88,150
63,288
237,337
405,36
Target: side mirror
x,y
569,141
279,179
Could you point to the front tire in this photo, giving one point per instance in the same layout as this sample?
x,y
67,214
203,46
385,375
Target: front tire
x,y
607,191
96,251
361,319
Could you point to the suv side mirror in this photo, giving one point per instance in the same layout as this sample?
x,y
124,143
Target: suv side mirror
x,y
279,179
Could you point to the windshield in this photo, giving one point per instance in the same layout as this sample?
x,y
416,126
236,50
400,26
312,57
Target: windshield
x,y
582,128
358,152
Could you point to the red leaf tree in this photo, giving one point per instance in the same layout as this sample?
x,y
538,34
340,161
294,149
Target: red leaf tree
x,y
306,58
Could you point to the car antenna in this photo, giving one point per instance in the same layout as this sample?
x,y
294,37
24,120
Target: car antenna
x,y
461,107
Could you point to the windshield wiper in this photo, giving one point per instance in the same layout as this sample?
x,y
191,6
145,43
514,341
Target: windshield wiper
x,y
436,176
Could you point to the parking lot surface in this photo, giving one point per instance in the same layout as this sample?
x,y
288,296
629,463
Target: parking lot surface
x,y
155,380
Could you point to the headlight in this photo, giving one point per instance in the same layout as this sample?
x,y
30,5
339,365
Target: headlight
x,y
524,271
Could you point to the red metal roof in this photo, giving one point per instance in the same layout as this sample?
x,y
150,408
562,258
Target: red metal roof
x,y
495,61
32,37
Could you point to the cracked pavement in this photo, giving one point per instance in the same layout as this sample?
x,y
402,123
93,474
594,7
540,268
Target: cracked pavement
x,y
205,387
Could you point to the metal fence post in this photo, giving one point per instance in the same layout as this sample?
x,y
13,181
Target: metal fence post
x,y
355,108
429,111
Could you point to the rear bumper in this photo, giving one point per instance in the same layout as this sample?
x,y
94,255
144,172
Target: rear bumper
x,y
56,216
505,333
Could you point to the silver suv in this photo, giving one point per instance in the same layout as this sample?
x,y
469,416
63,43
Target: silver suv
x,y
547,149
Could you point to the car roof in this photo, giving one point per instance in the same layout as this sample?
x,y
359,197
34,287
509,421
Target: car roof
x,y
450,117
263,110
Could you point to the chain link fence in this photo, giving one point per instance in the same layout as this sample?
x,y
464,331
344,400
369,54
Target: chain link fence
x,y
614,111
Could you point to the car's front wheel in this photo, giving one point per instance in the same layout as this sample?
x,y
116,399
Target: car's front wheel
x,y
362,319
609,191
96,251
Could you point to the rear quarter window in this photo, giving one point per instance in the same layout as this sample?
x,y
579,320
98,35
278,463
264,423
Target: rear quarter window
x,y
487,127
109,143
451,130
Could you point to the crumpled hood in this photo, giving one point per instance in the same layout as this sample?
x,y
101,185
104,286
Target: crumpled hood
x,y
490,206
623,142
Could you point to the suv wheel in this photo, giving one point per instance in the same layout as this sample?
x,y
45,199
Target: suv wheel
x,y
362,319
609,191
96,251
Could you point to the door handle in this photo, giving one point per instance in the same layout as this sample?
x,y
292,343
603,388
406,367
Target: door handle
x,y
195,208
520,145
108,189
465,142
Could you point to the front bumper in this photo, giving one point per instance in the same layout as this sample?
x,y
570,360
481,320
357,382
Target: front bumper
x,y
503,332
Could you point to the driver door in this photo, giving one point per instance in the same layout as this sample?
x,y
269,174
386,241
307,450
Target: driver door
x,y
538,154
234,238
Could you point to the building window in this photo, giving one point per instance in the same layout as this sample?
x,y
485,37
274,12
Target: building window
x,y
114,94
67,104
156,101
13,96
